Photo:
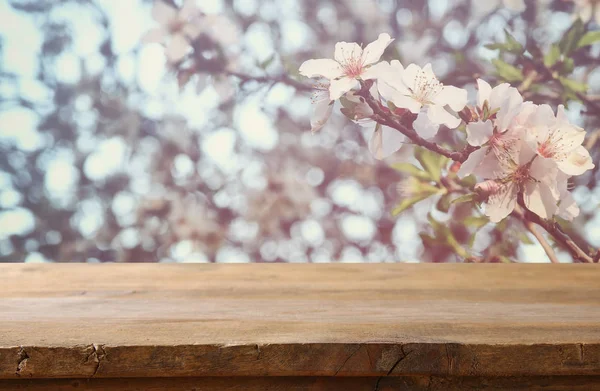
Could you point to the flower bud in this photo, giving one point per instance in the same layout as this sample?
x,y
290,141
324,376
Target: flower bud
x,y
487,188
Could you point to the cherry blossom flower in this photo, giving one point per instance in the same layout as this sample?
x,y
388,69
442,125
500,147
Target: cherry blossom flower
x,y
496,109
586,9
322,106
176,28
485,7
567,207
523,173
383,140
351,64
556,139
418,90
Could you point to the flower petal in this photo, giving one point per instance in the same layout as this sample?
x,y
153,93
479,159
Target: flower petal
x,y
374,50
501,204
339,87
544,116
577,162
346,51
409,76
539,199
438,115
509,109
163,13
379,70
452,96
177,48
385,141
402,101
515,5
193,30
321,112
568,208
473,161
189,9
424,126
324,67
479,133
155,35
483,93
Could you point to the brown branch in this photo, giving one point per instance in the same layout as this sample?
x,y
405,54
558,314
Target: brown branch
x,y
554,229
543,242
392,120
282,78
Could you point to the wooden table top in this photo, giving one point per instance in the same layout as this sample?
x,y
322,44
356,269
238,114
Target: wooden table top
x,y
113,320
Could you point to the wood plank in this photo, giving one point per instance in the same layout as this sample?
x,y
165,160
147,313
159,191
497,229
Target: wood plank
x,y
412,383
138,320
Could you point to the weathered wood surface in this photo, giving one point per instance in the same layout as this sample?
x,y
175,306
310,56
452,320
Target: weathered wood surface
x,y
290,383
149,320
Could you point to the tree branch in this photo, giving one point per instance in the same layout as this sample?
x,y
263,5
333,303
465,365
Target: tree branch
x,y
282,78
545,245
389,119
554,229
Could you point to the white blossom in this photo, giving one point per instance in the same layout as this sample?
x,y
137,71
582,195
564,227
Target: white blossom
x,y
523,172
383,140
567,207
556,139
322,106
418,90
351,64
176,28
586,9
497,108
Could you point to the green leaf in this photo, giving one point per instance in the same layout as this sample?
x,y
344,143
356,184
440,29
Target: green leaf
x,y
512,45
506,71
567,66
444,203
407,203
411,169
476,222
525,239
552,56
431,162
464,198
573,85
268,61
495,46
590,38
569,41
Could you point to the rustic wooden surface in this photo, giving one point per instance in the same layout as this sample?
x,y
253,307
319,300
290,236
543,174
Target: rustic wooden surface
x,y
140,320
290,383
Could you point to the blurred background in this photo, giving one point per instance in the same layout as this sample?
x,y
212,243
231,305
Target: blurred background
x,y
110,152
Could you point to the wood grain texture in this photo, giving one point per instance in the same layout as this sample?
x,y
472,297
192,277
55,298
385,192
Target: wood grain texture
x,y
289,383
150,320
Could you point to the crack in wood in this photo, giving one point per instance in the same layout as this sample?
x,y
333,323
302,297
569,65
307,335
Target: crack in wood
x,y
404,355
347,359
22,358
98,354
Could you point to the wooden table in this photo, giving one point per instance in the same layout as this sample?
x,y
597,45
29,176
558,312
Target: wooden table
x,y
299,327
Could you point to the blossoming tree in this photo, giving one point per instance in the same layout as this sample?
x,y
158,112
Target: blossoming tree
x,y
468,131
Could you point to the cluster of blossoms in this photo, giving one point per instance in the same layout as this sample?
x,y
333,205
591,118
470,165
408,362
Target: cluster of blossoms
x,y
178,27
519,150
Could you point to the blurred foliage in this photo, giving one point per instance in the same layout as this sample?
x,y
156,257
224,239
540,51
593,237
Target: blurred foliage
x,y
302,198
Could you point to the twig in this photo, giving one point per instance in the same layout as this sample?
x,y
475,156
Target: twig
x,y
391,120
545,245
282,78
554,229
